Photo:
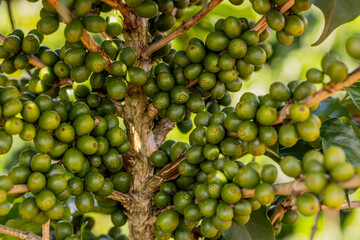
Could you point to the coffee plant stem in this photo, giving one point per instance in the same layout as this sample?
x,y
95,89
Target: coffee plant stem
x,y
18,234
182,28
281,208
115,195
46,231
298,186
32,60
167,173
163,126
125,11
321,95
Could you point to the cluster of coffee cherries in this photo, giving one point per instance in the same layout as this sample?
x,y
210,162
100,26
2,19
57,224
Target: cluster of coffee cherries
x,y
323,172
208,192
206,72
16,49
88,15
332,66
82,137
287,25
255,118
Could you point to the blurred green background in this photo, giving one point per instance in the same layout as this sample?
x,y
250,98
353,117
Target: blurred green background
x,y
287,63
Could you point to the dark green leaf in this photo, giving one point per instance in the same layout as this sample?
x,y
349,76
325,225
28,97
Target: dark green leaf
x,y
355,128
339,133
332,108
336,13
273,153
13,214
276,152
298,150
258,228
354,93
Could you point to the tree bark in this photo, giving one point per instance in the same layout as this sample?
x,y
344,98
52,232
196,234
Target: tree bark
x,y
139,125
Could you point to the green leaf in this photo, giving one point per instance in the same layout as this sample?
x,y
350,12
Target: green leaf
x,y
276,152
355,128
336,13
298,150
258,228
354,93
13,214
332,108
340,133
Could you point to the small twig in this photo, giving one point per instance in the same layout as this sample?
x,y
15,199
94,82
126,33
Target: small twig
x,y
46,231
344,206
19,188
107,37
161,130
28,72
18,234
126,12
152,112
120,197
10,14
123,198
167,173
300,187
281,208
314,228
262,25
63,82
192,83
321,95
182,28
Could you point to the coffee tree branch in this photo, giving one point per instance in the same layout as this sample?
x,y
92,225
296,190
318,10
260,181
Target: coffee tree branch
x,y
300,187
321,95
167,173
46,231
129,17
161,130
281,208
18,234
117,196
